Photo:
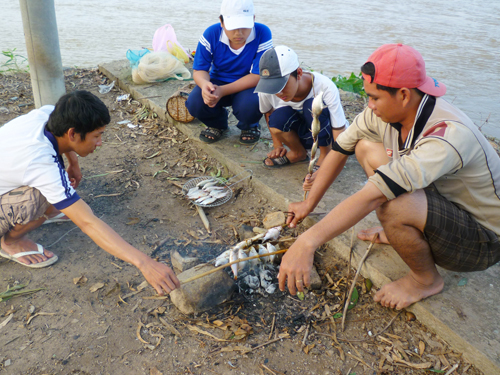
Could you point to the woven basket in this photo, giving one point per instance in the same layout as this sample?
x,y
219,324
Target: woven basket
x,y
176,104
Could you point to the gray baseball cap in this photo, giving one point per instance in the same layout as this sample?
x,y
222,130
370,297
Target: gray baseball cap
x,y
275,67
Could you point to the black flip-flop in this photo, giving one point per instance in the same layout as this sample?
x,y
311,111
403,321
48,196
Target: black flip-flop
x,y
281,161
215,133
253,134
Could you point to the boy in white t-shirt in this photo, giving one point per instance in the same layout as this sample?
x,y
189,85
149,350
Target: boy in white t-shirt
x,y
36,188
286,93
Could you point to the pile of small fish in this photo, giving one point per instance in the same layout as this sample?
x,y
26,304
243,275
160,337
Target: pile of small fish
x,y
259,266
207,191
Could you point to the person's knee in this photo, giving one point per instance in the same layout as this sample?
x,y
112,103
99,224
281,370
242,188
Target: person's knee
x,y
370,155
406,209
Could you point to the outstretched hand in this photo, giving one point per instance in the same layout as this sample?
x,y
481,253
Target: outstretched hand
x,y
297,212
160,276
295,268
309,180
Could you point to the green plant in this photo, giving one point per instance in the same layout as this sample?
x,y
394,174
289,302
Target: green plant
x,y
353,83
14,63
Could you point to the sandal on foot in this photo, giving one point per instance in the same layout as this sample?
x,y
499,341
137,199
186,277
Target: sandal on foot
x,y
211,135
15,257
59,218
282,161
253,136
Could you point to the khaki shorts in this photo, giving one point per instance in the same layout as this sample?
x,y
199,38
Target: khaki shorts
x,y
21,206
457,241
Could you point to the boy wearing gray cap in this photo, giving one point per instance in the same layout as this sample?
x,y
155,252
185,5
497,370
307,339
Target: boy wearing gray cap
x,y
286,93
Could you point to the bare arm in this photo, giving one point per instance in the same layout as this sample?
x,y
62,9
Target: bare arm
x,y
330,169
160,276
297,262
74,172
212,93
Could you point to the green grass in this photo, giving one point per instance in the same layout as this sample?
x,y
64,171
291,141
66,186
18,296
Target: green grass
x,y
353,83
15,63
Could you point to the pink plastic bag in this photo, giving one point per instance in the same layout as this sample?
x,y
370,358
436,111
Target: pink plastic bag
x,y
166,40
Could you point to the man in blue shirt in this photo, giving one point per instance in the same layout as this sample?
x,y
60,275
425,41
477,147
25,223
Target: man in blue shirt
x,y
226,71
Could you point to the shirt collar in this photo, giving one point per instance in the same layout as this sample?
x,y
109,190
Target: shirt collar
x,y
224,39
424,111
52,140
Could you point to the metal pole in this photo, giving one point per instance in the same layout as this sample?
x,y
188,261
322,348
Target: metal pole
x,y
44,56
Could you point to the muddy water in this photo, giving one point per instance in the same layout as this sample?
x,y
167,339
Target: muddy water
x,y
460,40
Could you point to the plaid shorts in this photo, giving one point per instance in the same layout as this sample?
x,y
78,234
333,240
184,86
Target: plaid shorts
x,y
20,206
458,243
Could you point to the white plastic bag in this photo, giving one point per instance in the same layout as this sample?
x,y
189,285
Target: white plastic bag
x,y
159,66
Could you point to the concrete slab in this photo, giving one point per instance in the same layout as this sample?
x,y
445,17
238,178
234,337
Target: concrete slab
x,y
467,316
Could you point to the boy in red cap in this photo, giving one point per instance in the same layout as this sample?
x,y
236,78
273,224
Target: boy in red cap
x,y
433,179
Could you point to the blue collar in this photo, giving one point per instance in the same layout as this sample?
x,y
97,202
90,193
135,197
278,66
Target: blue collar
x,y
53,140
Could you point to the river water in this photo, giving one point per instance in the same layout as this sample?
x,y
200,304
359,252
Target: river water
x,y
459,40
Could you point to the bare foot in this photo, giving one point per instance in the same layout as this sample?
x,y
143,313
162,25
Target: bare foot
x,y
405,291
367,235
23,245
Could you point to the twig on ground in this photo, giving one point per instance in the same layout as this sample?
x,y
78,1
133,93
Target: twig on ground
x,y
272,327
305,335
350,252
348,300
455,366
267,343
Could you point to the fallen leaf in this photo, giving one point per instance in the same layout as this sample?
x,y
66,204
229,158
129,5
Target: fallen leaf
x,y
4,323
242,349
155,371
354,298
133,220
421,348
410,317
170,327
413,365
199,330
96,287
80,280
308,348
368,285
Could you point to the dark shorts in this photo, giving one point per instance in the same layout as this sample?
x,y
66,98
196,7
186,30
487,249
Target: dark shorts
x,y
458,243
20,206
289,119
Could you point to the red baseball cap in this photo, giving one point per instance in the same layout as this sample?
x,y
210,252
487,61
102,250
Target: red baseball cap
x,y
398,65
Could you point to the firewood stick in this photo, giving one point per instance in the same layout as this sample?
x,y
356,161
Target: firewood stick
x,y
231,263
348,300
203,218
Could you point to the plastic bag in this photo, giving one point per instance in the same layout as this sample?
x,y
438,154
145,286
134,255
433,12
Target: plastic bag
x,y
134,56
159,66
165,39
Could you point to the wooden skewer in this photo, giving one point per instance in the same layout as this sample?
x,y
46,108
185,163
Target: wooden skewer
x,y
229,264
203,218
348,300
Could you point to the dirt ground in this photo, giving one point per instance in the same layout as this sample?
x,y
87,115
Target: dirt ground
x,y
132,183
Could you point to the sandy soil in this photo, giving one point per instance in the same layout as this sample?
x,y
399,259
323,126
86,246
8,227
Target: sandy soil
x,y
132,183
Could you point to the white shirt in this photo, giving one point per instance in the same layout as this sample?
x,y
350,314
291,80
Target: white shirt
x,y
321,83
29,157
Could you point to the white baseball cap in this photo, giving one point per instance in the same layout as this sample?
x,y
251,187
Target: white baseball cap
x,y
275,67
237,14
